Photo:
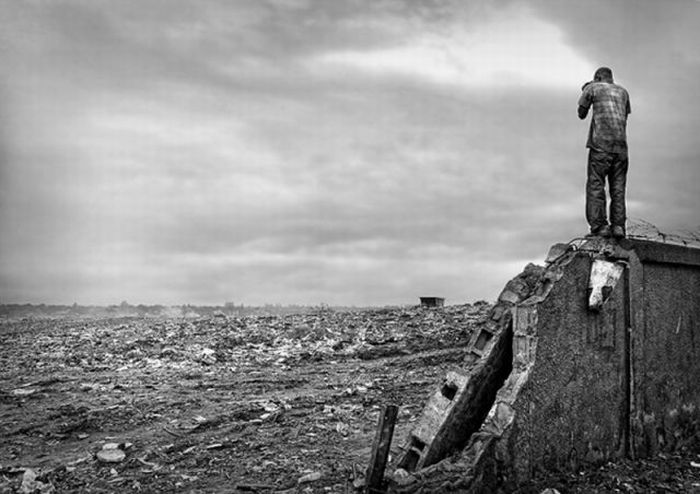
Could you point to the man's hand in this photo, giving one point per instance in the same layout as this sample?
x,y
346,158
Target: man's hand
x,y
582,112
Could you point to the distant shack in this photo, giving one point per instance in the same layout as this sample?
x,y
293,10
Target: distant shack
x,y
432,302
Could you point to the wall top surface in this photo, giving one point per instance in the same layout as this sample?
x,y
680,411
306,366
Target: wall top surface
x,y
663,253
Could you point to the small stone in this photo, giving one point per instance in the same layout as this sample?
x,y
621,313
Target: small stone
x,y
509,297
556,251
111,456
497,312
30,485
208,356
400,473
309,477
342,428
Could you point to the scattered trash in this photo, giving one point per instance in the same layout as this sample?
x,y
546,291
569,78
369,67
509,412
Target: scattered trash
x,y
207,356
272,385
30,484
358,483
309,477
153,467
24,391
111,453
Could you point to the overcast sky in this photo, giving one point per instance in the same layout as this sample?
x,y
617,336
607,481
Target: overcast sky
x,y
322,151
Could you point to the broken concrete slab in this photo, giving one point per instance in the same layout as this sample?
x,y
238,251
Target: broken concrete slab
x,y
459,404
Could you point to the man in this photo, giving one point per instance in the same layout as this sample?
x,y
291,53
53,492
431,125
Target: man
x,y
607,156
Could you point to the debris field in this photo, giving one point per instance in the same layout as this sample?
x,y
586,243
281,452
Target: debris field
x,y
256,403
214,404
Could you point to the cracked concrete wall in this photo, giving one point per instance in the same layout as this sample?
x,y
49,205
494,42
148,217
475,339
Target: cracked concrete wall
x,y
592,378
584,389
566,393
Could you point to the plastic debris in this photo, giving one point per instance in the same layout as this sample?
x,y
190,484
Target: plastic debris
x,y
309,477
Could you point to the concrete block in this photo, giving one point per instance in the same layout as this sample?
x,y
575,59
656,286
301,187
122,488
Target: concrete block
x,y
458,405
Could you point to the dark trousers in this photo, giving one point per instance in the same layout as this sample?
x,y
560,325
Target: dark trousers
x,y
613,167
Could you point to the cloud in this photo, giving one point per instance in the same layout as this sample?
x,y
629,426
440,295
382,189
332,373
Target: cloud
x,y
299,152
512,48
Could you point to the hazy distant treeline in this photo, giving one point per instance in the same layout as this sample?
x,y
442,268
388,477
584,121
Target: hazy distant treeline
x,y
127,310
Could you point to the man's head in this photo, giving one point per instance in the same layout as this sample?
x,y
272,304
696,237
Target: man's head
x,y
603,74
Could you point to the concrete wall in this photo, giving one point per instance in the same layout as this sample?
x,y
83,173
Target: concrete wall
x,y
620,381
571,408
591,381
665,348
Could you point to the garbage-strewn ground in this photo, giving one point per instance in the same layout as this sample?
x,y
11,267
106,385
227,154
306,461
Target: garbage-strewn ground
x,y
237,404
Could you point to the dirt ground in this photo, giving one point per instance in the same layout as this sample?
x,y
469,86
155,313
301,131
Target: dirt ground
x,y
260,403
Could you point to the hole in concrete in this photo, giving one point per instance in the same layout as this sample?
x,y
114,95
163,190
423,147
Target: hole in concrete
x,y
607,290
482,340
449,390
412,456
410,461
417,444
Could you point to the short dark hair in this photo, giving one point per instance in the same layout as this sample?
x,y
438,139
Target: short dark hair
x,y
603,74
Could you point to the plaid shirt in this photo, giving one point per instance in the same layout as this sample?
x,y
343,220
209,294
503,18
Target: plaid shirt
x,y
611,105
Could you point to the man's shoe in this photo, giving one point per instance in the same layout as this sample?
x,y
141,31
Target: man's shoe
x,y
618,231
601,231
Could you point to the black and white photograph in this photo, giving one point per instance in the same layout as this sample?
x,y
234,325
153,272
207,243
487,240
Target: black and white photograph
x,y
349,246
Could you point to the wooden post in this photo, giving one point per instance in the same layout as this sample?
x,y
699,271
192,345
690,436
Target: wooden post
x,y
380,450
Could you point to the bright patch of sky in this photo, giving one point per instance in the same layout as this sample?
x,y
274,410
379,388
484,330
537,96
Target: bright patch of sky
x,y
515,48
